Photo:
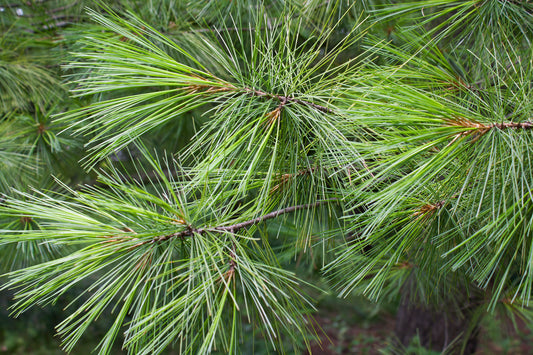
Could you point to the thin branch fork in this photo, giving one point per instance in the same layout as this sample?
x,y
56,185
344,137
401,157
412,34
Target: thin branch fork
x,y
285,99
226,87
190,231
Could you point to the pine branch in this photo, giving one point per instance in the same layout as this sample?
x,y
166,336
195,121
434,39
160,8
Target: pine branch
x,y
284,99
190,231
236,227
516,125
253,92
479,129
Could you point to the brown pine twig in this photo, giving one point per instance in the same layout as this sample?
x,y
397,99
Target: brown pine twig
x,y
191,231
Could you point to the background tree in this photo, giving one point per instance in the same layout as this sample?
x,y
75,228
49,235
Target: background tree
x,y
387,142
